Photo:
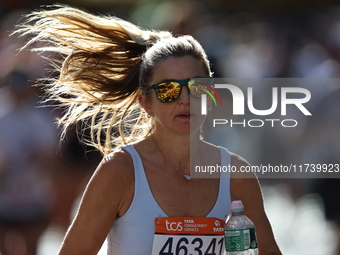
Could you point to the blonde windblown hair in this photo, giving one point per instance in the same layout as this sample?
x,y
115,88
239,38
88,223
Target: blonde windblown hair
x,y
105,64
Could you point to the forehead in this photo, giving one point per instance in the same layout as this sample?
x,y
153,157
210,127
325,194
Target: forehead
x,y
177,68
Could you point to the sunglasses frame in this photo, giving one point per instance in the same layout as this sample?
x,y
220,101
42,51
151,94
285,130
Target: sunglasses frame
x,y
182,83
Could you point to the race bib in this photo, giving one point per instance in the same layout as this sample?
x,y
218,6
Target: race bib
x,y
188,236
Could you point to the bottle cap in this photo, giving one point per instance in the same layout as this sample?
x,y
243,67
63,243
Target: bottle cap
x,y
237,206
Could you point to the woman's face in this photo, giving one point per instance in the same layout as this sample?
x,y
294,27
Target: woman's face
x,y
176,116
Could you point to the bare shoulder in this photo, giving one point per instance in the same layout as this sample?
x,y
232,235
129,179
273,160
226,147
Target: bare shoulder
x,y
241,166
117,163
116,169
244,185
237,160
113,180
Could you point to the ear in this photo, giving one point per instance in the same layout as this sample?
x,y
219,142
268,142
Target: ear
x,y
143,101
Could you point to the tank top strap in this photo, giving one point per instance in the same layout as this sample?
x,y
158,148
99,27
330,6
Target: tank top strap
x,y
140,177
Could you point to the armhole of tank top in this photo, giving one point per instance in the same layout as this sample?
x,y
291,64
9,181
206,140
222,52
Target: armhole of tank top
x,y
138,175
142,186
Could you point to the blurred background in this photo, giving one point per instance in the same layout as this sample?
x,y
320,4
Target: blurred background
x,y
41,179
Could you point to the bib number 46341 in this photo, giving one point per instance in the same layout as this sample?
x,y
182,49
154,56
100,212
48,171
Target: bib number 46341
x,y
188,236
191,245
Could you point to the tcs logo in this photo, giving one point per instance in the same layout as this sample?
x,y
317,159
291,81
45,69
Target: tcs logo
x,y
174,226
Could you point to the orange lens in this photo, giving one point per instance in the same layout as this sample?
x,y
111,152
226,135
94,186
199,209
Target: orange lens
x,y
168,91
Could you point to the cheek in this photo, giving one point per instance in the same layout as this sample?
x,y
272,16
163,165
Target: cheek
x,y
195,106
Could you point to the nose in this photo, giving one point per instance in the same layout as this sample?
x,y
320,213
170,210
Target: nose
x,y
184,98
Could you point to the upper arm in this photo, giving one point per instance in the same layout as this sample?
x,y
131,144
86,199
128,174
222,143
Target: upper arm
x,y
106,195
246,187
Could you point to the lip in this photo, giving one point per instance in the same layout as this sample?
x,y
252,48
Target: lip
x,y
185,115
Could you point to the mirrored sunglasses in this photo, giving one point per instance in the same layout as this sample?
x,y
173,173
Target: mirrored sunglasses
x,y
170,91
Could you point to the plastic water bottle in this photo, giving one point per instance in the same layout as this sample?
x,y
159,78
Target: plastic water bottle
x,y
239,232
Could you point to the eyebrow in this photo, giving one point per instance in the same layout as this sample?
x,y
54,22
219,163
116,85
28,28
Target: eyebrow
x,y
166,80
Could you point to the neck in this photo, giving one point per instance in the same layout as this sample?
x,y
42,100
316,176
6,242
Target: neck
x,y
177,149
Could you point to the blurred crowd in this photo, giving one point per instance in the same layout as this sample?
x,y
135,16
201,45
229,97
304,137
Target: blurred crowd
x,y
40,178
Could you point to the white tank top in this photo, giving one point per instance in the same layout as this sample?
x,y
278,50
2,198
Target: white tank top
x,y
133,232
